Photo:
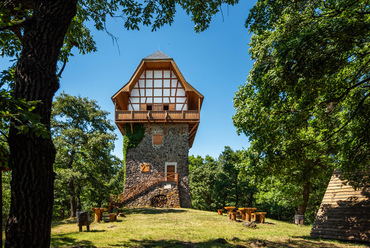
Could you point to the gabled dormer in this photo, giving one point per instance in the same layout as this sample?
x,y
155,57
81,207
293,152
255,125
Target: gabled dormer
x,y
158,93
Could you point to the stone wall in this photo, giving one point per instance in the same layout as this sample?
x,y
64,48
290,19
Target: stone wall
x,y
169,190
174,149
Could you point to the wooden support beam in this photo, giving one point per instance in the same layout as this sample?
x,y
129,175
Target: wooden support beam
x,y
132,128
195,126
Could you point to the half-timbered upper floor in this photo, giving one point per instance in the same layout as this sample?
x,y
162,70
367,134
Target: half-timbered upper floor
x,y
158,93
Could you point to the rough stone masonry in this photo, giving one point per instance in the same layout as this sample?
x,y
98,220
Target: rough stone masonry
x,y
174,149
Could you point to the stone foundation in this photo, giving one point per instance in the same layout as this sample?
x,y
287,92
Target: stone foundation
x,y
146,199
174,150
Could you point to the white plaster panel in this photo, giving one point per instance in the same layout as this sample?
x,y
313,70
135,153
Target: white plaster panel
x,y
166,92
142,75
166,100
185,107
173,83
179,106
157,92
134,100
135,92
149,74
180,92
149,92
157,74
136,106
166,83
173,92
149,100
149,83
172,99
166,74
142,83
181,99
157,83
142,92
158,100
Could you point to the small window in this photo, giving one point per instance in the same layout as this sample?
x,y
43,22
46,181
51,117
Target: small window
x,y
144,168
165,107
149,107
157,139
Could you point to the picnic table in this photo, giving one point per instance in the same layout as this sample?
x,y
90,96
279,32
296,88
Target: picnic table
x,y
98,213
246,213
229,211
259,216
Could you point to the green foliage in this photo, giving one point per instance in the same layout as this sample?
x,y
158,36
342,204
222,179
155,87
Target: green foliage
x,y
311,78
136,137
86,171
218,183
6,178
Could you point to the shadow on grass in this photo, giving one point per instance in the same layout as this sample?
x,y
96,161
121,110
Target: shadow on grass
x,y
152,210
62,222
343,242
233,243
62,241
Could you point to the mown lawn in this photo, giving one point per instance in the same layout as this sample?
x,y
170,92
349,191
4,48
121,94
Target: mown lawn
x,y
148,227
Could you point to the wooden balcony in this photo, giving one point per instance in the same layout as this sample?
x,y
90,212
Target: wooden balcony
x,y
157,116
190,117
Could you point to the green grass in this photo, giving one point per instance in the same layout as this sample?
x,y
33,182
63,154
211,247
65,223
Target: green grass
x,y
147,227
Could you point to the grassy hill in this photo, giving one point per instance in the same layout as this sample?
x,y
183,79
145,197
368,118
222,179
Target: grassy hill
x,y
147,227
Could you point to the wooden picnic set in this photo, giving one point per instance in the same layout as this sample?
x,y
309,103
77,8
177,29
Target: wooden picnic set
x,y
247,214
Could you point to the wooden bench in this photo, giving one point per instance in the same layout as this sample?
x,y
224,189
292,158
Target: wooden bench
x,y
112,217
259,216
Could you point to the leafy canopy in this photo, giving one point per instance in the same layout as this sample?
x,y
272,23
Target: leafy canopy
x,y
309,87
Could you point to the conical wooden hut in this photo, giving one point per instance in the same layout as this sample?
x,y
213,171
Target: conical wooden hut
x,y
344,213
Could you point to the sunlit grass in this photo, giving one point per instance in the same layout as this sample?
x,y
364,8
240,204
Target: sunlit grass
x,y
146,227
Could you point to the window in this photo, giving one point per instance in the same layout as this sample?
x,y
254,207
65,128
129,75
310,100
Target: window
x,y
157,139
149,107
144,168
165,107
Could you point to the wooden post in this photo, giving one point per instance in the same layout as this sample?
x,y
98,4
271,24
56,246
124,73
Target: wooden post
x,y
132,128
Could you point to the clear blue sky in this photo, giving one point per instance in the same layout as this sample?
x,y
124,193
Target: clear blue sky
x,y
216,62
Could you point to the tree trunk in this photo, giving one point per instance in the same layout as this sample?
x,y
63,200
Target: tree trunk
x,y
306,195
32,157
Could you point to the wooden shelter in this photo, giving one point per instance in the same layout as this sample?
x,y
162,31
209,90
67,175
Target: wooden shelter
x,y
158,93
344,213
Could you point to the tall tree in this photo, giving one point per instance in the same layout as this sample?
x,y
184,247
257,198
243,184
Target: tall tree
x,y
310,81
84,139
39,33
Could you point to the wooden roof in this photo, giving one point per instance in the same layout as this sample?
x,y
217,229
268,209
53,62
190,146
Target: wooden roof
x,y
157,60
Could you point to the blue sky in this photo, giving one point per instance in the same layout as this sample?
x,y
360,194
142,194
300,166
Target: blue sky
x,y
215,62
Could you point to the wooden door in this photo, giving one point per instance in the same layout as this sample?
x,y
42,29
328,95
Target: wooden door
x,y
170,173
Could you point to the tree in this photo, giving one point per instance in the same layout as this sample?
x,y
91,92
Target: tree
x,y
84,139
310,82
202,180
39,34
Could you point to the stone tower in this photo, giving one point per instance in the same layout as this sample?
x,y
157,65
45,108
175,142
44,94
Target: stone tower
x,y
167,107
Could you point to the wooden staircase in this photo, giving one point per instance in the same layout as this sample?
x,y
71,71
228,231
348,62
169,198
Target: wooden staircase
x,y
155,179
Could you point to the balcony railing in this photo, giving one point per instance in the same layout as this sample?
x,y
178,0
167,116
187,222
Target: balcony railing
x,y
129,116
